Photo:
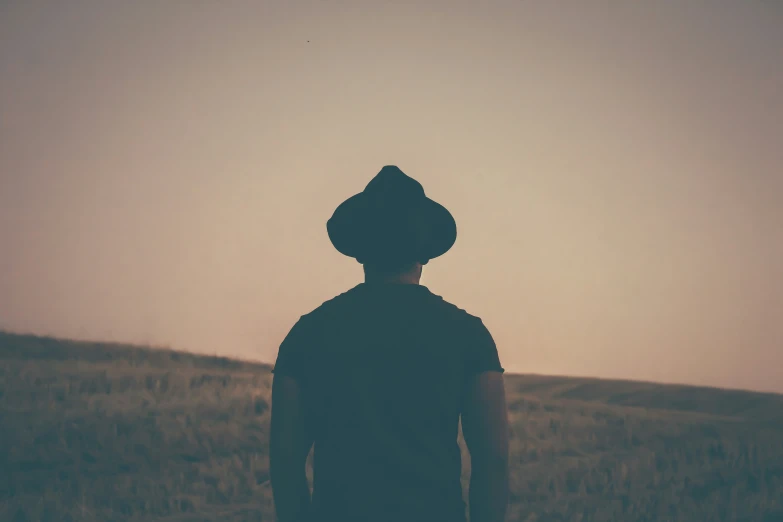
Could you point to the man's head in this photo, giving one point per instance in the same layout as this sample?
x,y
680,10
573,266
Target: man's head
x,y
392,227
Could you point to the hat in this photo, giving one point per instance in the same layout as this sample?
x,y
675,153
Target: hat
x,y
392,220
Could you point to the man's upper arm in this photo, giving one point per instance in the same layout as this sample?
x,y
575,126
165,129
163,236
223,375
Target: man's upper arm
x,y
485,418
291,436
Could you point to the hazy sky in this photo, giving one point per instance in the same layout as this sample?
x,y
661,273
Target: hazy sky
x,y
615,169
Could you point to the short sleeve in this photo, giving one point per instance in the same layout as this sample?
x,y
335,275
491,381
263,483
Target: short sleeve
x,y
482,353
291,356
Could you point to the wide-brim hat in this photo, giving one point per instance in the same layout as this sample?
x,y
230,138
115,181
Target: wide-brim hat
x,y
392,220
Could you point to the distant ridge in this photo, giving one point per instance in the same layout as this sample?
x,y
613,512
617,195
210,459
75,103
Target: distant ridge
x,y
764,407
742,404
29,346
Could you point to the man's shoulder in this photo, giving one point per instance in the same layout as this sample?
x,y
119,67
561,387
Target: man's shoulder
x,y
455,312
334,304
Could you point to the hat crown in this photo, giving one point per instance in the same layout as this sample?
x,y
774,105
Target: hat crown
x,y
392,183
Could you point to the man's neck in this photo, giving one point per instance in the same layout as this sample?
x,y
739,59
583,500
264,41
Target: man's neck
x,y
403,279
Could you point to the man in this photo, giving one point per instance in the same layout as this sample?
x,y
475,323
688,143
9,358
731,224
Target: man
x,y
378,377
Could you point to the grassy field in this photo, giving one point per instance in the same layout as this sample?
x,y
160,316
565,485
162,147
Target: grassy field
x,y
111,432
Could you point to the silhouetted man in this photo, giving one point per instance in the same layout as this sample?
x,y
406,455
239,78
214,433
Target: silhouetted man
x,y
377,378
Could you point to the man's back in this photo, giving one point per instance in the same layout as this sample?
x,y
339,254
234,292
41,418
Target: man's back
x,y
383,370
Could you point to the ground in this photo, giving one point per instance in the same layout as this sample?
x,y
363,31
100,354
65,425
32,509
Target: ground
x,y
92,431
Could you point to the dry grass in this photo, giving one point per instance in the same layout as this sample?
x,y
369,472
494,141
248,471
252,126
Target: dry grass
x,y
110,432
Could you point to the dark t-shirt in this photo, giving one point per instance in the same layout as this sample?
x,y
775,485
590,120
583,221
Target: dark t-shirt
x,y
383,369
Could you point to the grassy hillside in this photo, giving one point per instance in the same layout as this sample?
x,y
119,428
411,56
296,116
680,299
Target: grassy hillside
x,y
111,432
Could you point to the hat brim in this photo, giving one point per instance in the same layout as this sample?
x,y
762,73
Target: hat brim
x,y
422,233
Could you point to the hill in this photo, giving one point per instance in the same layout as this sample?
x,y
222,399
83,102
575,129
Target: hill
x,y
94,431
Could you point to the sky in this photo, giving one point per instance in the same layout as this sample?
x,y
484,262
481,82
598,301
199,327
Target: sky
x,y
615,170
